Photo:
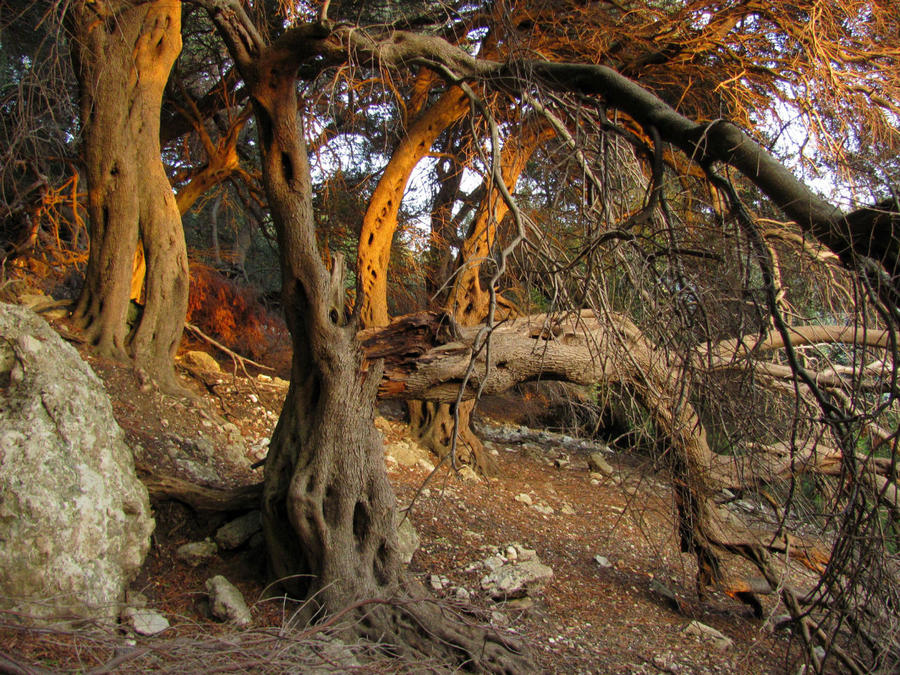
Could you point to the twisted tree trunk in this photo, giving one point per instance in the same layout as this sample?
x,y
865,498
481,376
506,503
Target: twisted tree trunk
x,y
329,513
123,53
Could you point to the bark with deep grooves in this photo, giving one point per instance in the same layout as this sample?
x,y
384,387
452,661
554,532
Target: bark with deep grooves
x,y
329,513
122,62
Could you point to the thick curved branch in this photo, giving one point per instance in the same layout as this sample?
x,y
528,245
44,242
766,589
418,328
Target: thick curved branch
x,y
869,232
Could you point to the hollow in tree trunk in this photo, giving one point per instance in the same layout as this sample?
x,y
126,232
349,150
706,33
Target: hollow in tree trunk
x,y
123,55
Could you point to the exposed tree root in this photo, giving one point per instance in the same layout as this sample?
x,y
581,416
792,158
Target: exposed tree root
x,y
413,626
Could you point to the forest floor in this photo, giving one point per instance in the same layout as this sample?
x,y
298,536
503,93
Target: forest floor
x,y
589,618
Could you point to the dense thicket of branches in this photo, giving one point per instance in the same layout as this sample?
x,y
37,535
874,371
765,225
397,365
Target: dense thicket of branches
x,y
635,174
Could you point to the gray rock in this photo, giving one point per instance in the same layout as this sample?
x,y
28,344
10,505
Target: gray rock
x,y
494,563
144,621
226,602
525,553
74,518
407,540
238,531
197,472
515,581
196,553
603,561
709,633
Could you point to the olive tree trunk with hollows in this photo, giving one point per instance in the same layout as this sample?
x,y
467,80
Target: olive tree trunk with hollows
x,y
329,512
123,54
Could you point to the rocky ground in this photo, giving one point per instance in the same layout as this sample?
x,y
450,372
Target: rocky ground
x,y
577,557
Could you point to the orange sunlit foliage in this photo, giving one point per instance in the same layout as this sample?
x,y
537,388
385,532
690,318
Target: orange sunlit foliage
x,y
233,315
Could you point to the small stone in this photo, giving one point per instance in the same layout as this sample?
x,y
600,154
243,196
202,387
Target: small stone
x,y
514,581
425,465
467,474
462,594
197,360
407,540
602,561
597,463
435,582
524,499
511,553
525,553
144,621
499,618
543,508
226,602
520,604
196,552
494,563
703,631
238,531
567,510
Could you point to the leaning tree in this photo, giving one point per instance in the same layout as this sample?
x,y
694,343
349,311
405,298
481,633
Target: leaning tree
x,y
329,513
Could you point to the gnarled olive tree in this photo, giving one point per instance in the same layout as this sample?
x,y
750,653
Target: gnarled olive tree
x,y
123,53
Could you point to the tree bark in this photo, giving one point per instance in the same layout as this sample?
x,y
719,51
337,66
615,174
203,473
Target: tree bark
x,y
435,423
329,513
469,300
427,355
123,53
380,220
